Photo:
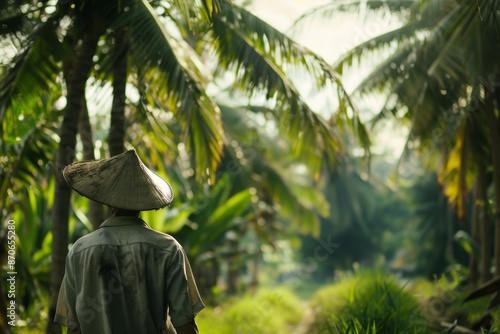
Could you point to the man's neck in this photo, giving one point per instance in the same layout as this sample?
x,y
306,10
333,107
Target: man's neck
x,y
124,213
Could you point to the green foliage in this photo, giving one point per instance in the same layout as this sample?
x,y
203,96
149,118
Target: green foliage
x,y
448,300
363,211
367,302
268,311
33,250
436,226
482,304
214,213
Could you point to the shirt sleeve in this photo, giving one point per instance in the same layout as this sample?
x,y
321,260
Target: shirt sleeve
x,y
66,302
182,296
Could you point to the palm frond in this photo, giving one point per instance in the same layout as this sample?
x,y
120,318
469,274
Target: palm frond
x,y
257,70
152,128
255,149
215,212
32,72
419,33
268,40
297,211
193,12
449,29
402,35
330,9
171,66
26,160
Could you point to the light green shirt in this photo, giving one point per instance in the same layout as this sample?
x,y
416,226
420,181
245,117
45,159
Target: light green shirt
x,y
127,278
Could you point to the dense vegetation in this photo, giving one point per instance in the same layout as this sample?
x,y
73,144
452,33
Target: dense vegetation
x,y
291,223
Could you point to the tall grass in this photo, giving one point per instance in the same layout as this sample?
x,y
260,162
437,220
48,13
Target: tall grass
x,y
367,302
268,312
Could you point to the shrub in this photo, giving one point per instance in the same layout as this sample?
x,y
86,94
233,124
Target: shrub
x,y
367,302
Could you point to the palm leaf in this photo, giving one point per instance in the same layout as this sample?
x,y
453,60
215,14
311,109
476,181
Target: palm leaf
x,y
329,9
273,43
311,135
32,72
214,213
26,161
169,65
295,210
300,203
255,49
378,44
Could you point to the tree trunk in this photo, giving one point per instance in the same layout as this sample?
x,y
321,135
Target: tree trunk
x,y
96,210
233,262
65,156
117,127
494,132
254,272
484,223
475,228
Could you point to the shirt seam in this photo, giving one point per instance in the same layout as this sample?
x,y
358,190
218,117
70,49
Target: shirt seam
x,y
121,245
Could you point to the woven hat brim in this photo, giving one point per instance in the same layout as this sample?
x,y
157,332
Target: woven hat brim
x,y
122,181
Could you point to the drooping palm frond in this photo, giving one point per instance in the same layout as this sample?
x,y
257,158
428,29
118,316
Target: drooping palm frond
x,y
413,29
25,160
329,9
152,129
32,72
171,67
421,59
417,34
447,32
259,71
430,23
257,153
196,11
242,38
378,44
275,44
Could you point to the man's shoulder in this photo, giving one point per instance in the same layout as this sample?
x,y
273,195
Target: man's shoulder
x,y
157,237
122,237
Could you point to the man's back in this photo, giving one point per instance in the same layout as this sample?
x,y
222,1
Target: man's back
x,y
125,278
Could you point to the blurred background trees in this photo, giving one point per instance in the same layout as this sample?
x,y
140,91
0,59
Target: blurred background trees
x,y
267,188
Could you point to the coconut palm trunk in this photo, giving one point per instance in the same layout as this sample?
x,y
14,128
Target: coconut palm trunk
x,y
117,128
65,156
96,210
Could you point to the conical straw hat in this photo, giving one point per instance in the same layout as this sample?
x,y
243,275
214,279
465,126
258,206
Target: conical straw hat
x,y
122,181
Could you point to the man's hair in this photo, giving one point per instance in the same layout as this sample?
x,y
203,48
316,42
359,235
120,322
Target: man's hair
x,y
125,212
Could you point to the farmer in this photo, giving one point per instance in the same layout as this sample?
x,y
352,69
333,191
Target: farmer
x,y
125,277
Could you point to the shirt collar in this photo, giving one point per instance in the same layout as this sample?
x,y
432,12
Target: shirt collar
x,y
123,221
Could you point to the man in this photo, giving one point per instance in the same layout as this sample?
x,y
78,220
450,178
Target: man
x,y
125,277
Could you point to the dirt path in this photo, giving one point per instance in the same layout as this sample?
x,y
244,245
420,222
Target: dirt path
x,y
307,319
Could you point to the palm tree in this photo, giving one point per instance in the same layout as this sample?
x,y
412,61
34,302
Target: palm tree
x,y
439,79
170,65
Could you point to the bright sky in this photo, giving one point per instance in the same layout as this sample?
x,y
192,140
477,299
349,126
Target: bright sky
x,y
330,38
